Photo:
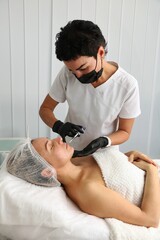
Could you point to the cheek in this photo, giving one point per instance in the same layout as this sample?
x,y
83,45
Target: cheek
x,y
57,159
59,156
63,158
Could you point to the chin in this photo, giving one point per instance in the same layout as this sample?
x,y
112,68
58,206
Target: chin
x,y
72,151
70,148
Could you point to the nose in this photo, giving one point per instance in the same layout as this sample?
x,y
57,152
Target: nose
x,y
59,140
78,74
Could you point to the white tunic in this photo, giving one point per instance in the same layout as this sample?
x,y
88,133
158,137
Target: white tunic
x,y
97,109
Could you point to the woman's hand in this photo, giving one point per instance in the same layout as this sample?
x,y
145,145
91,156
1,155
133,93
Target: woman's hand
x,y
135,155
144,165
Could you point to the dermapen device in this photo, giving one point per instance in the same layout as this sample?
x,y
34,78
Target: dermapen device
x,y
77,135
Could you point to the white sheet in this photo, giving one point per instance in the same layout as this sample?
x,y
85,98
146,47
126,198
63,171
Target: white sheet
x,y
123,231
30,212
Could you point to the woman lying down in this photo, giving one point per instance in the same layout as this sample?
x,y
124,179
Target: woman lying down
x,y
104,184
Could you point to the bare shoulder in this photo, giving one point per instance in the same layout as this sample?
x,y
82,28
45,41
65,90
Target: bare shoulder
x,y
100,201
92,194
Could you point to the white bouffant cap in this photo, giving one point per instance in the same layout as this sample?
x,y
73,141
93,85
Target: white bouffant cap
x,y
25,162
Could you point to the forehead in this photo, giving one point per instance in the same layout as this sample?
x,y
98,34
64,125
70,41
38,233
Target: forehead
x,y
39,140
76,63
39,143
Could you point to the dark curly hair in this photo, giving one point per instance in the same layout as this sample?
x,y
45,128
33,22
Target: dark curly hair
x,y
79,38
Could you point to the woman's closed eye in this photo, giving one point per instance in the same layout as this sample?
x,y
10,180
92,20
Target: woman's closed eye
x,y
48,144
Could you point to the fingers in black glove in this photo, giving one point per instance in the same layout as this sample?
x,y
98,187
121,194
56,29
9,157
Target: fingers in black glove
x,y
91,147
67,129
96,144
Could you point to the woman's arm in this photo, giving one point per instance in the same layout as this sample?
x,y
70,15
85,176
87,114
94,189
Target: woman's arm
x,y
135,155
123,132
150,202
106,203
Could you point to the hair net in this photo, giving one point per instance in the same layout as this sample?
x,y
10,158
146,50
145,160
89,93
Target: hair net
x,y
25,162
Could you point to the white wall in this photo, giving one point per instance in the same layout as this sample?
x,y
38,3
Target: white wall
x,y
28,64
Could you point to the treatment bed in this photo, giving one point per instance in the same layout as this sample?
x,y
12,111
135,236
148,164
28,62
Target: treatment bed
x,y
30,212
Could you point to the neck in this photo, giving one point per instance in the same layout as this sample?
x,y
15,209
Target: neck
x,y
69,173
108,71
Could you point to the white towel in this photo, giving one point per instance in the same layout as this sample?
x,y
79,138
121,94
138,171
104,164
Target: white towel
x,y
125,178
123,231
121,175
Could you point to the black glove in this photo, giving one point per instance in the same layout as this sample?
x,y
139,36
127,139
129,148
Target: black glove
x,y
91,147
66,129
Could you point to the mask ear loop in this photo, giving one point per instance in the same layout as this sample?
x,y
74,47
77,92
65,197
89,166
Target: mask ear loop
x,y
96,64
101,63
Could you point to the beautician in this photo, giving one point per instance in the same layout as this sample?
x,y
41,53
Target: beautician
x,y
103,98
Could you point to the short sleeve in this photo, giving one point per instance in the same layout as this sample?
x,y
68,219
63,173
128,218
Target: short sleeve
x,y
58,88
131,106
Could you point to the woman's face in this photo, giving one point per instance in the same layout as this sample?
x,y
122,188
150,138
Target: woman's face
x,y
81,65
54,151
84,64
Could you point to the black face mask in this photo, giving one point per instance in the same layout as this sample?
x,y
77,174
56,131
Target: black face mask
x,y
91,76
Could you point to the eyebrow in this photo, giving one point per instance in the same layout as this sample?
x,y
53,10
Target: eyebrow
x,y
81,66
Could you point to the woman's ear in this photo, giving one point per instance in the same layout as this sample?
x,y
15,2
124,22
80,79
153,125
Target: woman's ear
x,y
101,52
47,173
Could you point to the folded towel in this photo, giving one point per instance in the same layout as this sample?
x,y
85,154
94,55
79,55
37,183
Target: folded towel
x,y
128,180
121,175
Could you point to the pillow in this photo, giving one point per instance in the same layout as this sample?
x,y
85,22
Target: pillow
x,y
6,144
43,213
3,155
